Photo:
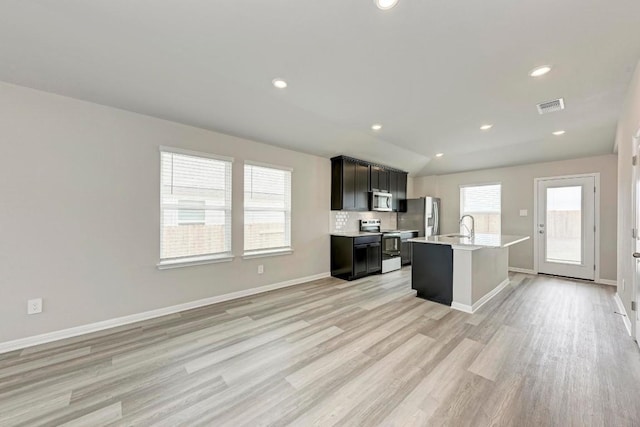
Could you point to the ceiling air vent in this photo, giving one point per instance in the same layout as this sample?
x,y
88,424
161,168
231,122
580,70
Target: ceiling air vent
x,y
551,106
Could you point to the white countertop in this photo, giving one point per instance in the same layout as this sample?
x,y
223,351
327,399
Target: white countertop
x,y
479,241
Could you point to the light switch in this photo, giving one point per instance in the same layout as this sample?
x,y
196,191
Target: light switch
x,y
524,212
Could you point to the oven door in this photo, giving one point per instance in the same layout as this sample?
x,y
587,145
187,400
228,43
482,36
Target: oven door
x,y
391,245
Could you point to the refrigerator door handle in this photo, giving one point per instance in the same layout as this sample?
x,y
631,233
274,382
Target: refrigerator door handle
x,y
436,214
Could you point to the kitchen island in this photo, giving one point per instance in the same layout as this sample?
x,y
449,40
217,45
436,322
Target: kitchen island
x,y
460,271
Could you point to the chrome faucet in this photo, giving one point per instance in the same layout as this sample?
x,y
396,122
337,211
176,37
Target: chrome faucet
x,y
472,230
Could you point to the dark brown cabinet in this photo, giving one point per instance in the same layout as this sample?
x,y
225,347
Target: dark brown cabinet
x,y
393,189
361,190
379,178
355,257
401,191
398,188
349,184
353,179
374,258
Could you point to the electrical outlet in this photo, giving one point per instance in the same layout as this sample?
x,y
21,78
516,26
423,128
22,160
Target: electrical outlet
x,y
260,269
623,284
524,212
34,306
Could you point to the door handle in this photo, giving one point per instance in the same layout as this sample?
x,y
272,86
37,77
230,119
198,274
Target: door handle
x,y
636,254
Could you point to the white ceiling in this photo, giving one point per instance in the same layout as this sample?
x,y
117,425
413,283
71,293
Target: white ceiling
x,y
431,71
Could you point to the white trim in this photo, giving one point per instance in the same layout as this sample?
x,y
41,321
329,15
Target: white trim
x,y
482,301
165,149
482,185
607,282
596,222
268,165
462,307
535,225
596,218
186,262
522,270
635,278
625,318
133,318
267,253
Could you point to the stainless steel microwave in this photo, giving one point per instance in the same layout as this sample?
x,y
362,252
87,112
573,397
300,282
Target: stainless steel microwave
x,y
379,201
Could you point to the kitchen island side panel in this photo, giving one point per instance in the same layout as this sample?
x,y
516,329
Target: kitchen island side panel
x,y
463,277
432,272
490,269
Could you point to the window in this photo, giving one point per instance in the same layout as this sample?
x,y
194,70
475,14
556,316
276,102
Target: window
x,y
267,209
189,214
483,203
195,207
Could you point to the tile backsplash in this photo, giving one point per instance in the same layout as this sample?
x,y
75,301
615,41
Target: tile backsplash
x,y
343,221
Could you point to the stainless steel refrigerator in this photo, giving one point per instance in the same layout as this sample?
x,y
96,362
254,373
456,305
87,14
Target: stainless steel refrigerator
x,y
421,214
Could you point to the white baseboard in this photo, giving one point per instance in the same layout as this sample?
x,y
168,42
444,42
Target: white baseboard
x,y
133,318
621,309
482,301
462,307
607,282
521,270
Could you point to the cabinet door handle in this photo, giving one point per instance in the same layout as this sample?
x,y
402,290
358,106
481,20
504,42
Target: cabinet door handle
x,y
636,254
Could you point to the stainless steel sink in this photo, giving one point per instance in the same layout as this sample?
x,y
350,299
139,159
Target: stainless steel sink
x,y
456,235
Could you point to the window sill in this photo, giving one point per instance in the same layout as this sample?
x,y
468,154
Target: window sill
x,y
200,260
267,253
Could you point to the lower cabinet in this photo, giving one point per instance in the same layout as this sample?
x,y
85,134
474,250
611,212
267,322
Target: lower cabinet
x,y
374,258
355,257
405,246
359,260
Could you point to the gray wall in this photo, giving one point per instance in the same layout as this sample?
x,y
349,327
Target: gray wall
x,y
517,193
79,220
627,127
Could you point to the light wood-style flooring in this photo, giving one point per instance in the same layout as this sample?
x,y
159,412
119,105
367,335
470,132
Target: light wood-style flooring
x,y
544,352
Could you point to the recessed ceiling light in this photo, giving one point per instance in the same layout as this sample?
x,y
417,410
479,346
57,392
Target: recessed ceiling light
x,y
559,132
385,4
376,126
540,71
486,127
279,83
439,154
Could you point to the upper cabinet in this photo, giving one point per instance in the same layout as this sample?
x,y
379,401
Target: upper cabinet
x,y
394,177
353,179
379,178
349,184
398,188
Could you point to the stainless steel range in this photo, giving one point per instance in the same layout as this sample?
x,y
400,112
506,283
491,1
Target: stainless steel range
x,y
391,244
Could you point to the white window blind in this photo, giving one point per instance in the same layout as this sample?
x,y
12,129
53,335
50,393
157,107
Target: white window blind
x,y
267,209
195,206
483,202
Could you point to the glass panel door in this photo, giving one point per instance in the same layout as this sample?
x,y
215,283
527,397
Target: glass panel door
x,y
566,226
